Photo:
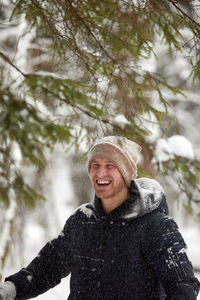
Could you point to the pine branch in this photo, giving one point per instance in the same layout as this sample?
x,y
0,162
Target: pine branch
x,y
86,112
91,33
183,13
6,59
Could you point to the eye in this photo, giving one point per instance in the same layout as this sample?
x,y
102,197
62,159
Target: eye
x,y
95,166
110,166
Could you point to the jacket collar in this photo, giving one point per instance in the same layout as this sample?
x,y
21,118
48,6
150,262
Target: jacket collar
x,y
116,213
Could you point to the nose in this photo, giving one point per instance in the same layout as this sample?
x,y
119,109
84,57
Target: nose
x,y
101,172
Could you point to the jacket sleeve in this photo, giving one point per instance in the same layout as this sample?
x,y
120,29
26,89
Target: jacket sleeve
x,y
46,270
169,261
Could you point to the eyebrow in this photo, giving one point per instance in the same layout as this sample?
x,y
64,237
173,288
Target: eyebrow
x,y
107,162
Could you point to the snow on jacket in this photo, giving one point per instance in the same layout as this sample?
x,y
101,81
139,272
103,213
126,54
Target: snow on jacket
x,y
135,252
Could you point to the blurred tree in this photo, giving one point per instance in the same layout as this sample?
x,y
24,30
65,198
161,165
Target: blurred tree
x,y
74,70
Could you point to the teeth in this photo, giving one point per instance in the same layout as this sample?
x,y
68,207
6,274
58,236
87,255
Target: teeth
x,y
103,182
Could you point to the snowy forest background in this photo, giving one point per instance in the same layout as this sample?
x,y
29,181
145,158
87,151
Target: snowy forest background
x,y
63,83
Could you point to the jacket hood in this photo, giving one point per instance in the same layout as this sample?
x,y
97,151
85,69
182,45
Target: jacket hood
x,y
147,195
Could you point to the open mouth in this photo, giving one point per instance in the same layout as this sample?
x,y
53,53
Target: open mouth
x,y
103,182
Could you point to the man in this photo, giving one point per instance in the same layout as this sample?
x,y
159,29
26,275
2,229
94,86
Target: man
x,y
122,245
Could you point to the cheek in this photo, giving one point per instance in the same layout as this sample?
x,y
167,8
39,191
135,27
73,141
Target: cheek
x,y
119,179
91,176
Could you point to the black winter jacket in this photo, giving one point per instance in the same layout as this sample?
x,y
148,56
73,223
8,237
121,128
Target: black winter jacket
x,y
135,252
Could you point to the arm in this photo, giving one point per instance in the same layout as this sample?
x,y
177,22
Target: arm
x,y
46,270
168,259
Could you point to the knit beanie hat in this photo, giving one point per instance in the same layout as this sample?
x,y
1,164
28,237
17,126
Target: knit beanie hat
x,y
121,151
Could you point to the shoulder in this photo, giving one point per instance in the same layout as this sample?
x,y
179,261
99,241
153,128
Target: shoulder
x,y
159,220
162,231
84,211
81,213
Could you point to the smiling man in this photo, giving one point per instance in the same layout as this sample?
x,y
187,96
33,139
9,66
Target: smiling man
x,y
122,245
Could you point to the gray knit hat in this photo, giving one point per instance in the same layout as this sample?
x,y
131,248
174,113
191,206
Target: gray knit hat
x,y
121,151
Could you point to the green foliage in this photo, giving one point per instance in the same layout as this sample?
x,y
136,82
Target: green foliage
x,y
22,124
185,174
197,70
73,93
106,44
24,193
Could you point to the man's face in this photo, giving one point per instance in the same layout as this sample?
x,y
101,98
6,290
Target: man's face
x,y
106,179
